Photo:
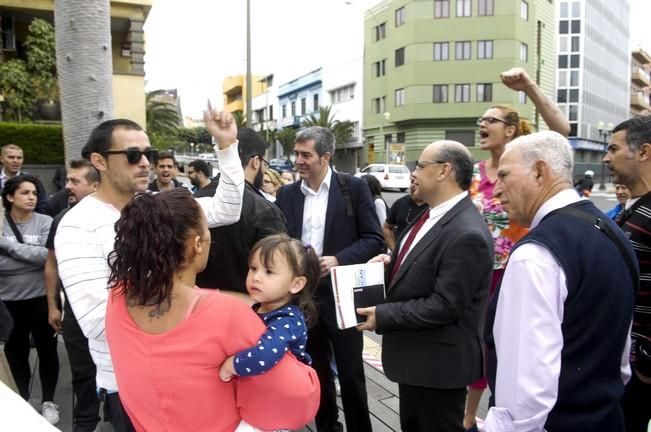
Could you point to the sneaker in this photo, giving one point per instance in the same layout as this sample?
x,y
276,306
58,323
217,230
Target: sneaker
x,y
50,411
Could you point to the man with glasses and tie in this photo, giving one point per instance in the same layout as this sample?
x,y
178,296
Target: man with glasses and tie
x,y
437,283
121,152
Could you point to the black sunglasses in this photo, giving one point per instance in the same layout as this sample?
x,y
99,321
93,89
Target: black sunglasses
x,y
134,155
491,120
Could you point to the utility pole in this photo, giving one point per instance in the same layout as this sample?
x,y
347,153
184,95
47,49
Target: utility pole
x,y
249,85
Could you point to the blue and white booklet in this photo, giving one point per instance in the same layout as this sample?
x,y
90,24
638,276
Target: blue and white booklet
x,y
356,286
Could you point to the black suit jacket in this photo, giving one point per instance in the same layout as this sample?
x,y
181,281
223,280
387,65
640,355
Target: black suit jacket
x,y
431,322
352,239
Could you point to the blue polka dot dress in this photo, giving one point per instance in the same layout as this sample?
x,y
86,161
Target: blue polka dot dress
x,y
286,331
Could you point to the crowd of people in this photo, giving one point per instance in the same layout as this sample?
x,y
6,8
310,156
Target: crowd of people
x,y
210,306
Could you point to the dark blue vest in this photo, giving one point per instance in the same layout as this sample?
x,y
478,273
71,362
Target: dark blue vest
x,y
596,318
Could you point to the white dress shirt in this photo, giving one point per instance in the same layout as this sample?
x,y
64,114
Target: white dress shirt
x,y
314,213
435,215
528,336
86,236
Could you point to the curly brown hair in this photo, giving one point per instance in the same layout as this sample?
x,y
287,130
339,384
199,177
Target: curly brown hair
x,y
150,244
522,127
302,261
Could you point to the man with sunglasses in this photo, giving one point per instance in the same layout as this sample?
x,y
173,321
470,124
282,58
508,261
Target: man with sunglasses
x,y
437,283
121,152
228,261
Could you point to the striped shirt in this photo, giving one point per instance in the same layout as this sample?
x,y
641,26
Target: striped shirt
x,y
86,236
637,227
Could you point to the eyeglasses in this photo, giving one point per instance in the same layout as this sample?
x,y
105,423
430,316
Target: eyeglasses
x,y
134,155
423,163
491,120
266,164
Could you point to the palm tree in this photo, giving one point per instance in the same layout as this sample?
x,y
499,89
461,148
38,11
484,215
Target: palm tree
x,y
162,116
240,119
286,139
342,130
85,68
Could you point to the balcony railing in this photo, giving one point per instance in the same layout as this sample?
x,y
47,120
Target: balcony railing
x,y
640,100
640,77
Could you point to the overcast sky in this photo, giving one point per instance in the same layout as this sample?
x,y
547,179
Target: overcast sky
x,y
193,44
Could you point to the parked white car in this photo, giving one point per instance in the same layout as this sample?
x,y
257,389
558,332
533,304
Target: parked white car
x,y
391,176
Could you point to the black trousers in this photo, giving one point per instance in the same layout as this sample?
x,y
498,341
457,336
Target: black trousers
x,y
636,404
85,412
424,409
324,340
30,316
115,413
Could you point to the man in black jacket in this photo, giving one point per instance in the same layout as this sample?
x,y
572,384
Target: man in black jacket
x,y
229,251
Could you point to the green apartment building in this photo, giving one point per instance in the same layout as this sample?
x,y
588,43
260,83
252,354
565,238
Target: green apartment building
x,y
431,68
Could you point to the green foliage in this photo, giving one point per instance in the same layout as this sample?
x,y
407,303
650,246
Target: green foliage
x,y
342,130
41,144
16,86
41,58
162,117
286,138
240,119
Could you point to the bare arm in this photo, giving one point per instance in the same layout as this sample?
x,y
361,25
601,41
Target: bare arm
x,y
51,291
517,79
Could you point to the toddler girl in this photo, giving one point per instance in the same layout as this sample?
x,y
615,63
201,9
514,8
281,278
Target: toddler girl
x,y
282,277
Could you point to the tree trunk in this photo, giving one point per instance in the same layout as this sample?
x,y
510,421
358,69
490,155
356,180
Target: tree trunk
x,y
85,68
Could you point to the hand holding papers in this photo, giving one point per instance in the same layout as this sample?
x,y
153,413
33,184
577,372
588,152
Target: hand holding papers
x,y
356,286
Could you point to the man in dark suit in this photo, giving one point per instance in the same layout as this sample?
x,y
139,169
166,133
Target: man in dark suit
x,y
437,284
335,214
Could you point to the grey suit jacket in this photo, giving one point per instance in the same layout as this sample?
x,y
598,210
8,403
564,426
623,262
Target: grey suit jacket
x,y
432,319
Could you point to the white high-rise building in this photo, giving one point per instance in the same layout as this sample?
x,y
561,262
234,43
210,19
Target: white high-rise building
x,y
593,66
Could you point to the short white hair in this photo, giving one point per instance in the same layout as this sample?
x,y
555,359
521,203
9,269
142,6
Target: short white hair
x,y
549,147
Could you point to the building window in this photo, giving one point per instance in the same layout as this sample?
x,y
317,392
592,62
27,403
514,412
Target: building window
x,y
576,9
574,95
400,137
343,94
315,102
485,8
441,51
564,6
561,96
462,93
380,31
400,57
379,68
522,96
485,49
524,10
524,52
562,61
400,16
574,113
441,8
574,78
271,112
378,105
303,106
575,44
462,49
399,97
574,61
440,93
563,27
284,110
293,108
463,8
484,92
575,27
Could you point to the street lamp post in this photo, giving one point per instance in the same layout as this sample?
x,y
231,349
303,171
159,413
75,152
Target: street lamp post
x,y
387,116
604,134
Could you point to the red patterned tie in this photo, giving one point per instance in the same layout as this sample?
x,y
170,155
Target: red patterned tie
x,y
410,239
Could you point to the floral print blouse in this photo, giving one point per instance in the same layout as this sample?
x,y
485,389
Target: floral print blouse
x,y
505,233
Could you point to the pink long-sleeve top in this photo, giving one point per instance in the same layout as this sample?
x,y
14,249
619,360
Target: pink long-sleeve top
x,y
170,381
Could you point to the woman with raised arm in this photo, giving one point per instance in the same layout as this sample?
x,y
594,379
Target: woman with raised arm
x,y
168,338
498,126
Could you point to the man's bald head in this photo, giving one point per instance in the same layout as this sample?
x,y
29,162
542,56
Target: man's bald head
x,y
457,155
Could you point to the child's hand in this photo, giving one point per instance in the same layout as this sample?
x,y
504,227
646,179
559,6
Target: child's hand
x,y
227,371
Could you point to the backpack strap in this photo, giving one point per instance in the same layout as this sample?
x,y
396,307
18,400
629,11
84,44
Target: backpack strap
x,y
342,179
14,228
602,226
